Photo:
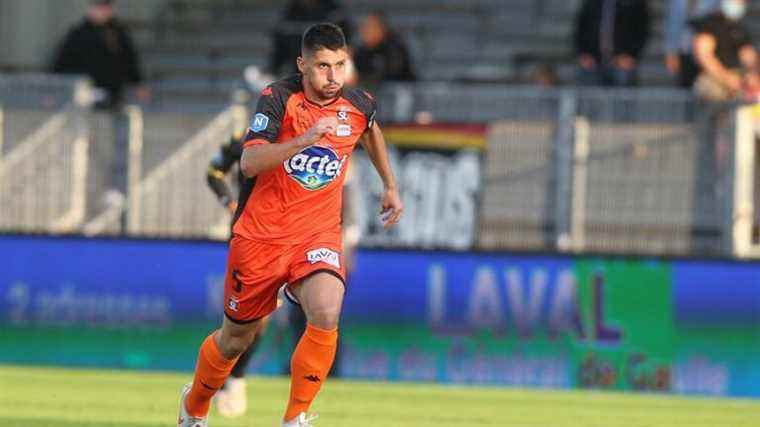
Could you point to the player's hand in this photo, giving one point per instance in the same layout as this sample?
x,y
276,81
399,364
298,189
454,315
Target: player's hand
x,y
323,126
392,207
232,207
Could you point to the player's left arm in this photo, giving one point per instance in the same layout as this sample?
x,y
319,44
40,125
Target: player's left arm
x,y
374,143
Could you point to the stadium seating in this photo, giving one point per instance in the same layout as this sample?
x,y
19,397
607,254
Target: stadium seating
x,y
195,49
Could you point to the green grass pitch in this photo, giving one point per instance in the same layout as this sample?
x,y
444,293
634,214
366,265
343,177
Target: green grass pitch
x,y
53,397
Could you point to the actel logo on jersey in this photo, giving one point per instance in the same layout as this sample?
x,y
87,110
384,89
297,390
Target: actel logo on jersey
x,y
315,167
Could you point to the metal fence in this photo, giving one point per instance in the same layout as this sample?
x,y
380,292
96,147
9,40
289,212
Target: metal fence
x,y
614,171
43,152
626,171
743,225
43,91
637,165
167,195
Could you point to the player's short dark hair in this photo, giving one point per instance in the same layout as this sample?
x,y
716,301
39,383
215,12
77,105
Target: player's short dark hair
x,y
322,36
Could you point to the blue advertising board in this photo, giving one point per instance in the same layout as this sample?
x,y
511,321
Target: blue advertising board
x,y
486,318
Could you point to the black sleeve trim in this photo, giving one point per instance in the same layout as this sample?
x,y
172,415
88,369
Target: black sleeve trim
x,y
364,102
270,111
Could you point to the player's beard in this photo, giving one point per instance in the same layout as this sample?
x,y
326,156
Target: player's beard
x,y
329,91
320,91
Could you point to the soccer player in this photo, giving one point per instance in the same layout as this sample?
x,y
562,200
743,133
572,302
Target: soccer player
x,y
298,147
231,400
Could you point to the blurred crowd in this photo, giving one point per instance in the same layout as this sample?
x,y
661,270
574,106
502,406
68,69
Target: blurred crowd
x,y
100,46
707,47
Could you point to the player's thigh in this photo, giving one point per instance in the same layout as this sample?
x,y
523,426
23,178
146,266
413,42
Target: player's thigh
x,y
321,297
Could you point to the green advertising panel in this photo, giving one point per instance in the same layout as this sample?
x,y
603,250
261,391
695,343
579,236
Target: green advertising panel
x,y
627,320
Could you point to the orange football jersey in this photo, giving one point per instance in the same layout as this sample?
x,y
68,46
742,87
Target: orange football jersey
x,y
303,195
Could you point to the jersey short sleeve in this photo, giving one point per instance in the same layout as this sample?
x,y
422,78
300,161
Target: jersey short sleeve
x,y
364,102
270,110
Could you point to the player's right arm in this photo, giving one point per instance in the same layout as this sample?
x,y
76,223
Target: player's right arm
x,y
259,155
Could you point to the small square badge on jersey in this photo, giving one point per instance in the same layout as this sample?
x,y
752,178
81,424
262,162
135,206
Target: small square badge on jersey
x,y
343,130
260,122
233,304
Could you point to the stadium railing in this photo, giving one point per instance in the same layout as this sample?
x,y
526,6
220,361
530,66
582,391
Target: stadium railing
x,y
43,155
647,171
591,169
743,222
168,196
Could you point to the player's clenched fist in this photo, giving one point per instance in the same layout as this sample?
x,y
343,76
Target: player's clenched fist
x,y
323,126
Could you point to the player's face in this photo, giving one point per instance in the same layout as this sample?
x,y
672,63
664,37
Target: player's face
x,y
325,71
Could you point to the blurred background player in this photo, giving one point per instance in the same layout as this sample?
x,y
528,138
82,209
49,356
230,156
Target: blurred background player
x,y
231,401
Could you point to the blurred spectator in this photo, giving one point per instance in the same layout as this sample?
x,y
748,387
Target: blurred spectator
x,y
723,49
678,37
545,75
101,47
299,14
609,38
382,55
